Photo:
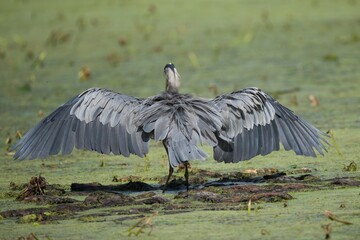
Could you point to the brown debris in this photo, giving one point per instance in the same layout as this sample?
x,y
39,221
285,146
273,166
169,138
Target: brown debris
x,y
84,73
213,89
34,191
36,186
264,232
40,113
108,199
113,58
314,101
283,178
31,236
205,173
122,41
56,212
352,167
203,196
260,171
46,199
155,200
151,198
242,193
58,37
130,178
181,167
299,171
145,195
294,101
177,208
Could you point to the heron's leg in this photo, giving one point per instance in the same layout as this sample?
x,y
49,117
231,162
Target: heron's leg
x,y
186,175
171,170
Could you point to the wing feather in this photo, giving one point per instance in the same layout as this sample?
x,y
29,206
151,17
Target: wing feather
x,y
95,120
256,125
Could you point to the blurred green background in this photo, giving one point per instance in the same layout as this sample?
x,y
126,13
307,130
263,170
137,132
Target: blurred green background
x,y
52,50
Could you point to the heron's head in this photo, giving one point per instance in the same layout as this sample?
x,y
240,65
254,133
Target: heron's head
x,y
172,78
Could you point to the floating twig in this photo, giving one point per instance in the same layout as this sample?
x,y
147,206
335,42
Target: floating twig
x,y
139,226
332,217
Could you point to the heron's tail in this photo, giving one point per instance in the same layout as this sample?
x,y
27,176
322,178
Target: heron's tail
x,y
181,150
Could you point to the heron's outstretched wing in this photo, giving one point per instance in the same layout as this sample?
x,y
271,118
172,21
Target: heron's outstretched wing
x,y
94,120
257,124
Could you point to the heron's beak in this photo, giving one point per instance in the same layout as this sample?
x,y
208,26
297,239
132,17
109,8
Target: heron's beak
x,y
172,67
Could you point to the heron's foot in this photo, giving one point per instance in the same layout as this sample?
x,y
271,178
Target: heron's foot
x,y
171,170
186,176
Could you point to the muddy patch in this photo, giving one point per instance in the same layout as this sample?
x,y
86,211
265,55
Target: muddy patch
x,y
215,191
130,186
344,182
243,193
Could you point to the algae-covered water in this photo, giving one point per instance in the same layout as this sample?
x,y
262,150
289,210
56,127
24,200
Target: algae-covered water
x,y
304,53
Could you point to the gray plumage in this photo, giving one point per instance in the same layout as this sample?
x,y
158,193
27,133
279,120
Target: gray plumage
x,y
239,125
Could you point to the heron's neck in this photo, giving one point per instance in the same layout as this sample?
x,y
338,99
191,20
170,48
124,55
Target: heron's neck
x,y
172,83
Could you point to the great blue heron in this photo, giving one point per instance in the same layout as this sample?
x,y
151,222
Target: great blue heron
x,y
239,126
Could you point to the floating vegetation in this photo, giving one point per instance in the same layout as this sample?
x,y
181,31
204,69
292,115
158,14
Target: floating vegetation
x,y
213,89
40,113
147,163
84,74
194,60
26,87
39,60
18,135
330,57
147,24
248,37
249,206
113,58
102,163
30,55
2,53
293,100
58,37
20,42
256,44
9,142
122,41
334,142
352,167
349,39
81,23
314,101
